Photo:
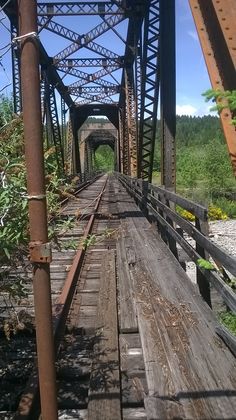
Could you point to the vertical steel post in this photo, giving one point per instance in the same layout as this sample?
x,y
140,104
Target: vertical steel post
x,y
131,131
16,73
168,93
37,207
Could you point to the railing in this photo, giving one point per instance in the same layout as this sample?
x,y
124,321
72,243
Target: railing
x,y
158,205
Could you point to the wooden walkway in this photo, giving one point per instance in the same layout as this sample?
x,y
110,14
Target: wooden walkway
x,y
189,373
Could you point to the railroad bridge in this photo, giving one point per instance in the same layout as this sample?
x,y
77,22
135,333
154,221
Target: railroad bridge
x,y
132,336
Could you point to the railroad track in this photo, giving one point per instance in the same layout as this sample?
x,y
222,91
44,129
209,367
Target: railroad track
x,y
78,289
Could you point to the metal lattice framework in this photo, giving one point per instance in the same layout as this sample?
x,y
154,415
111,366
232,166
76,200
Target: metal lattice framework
x,y
16,72
122,65
52,122
150,63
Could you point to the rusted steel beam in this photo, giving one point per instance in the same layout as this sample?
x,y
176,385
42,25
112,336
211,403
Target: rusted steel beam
x,y
168,93
149,89
79,8
130,120
89,36
39,248
215,23
90,62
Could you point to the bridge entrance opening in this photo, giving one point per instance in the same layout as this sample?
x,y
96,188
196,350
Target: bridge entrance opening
x,y
104,158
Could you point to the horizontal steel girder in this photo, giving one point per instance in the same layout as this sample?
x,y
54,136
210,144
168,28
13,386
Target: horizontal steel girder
x,y
90,62
80,8
88,78
94,90
66,33
89,36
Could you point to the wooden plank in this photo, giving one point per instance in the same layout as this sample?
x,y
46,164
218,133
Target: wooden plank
x,y
134,390
228,338
127,311
134,414
188,370
223,289
104,388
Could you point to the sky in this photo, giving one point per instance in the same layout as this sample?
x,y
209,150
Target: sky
x,y
191,79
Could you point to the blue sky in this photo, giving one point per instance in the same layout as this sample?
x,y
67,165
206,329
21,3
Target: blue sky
x,y
192,77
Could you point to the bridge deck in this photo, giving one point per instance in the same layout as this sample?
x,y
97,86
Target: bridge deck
x,y
189,371
140,342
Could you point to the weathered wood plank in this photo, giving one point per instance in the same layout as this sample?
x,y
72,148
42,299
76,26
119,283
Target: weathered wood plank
x,y
127,310
182,354
189,370
104,388
134,414
225,291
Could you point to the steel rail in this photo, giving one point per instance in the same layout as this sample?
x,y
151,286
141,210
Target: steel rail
x,y
29,405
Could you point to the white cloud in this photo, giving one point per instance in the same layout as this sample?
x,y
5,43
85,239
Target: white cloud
x,y
186,110
203,109
193,35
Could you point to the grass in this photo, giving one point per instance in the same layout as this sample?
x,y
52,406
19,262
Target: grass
x,y
228,206
228,319
156,178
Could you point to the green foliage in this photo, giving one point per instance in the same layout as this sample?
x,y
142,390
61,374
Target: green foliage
x,y
207,265
228,319
90,240
14,232
227,206
6,110
13,202
188,167
232,283
104,158
70,244
217,167
224,99
216,213
197,131
185,214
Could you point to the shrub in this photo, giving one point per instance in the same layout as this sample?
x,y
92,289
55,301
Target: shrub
x,y
216,213
185,214
227,206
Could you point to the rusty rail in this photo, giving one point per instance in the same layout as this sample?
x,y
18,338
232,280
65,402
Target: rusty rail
x,y
29,406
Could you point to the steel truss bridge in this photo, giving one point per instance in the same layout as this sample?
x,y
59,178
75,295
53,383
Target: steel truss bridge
x,y
150,346
125,79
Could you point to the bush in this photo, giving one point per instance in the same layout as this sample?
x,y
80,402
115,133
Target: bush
x,y
227,206
185,214
217,168
216,213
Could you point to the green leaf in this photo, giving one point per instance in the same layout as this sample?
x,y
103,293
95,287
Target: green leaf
x,y
7,253
207,265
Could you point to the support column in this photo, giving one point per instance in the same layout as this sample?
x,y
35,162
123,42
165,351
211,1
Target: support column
x,y
39,247
16,73
168,93
130,128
